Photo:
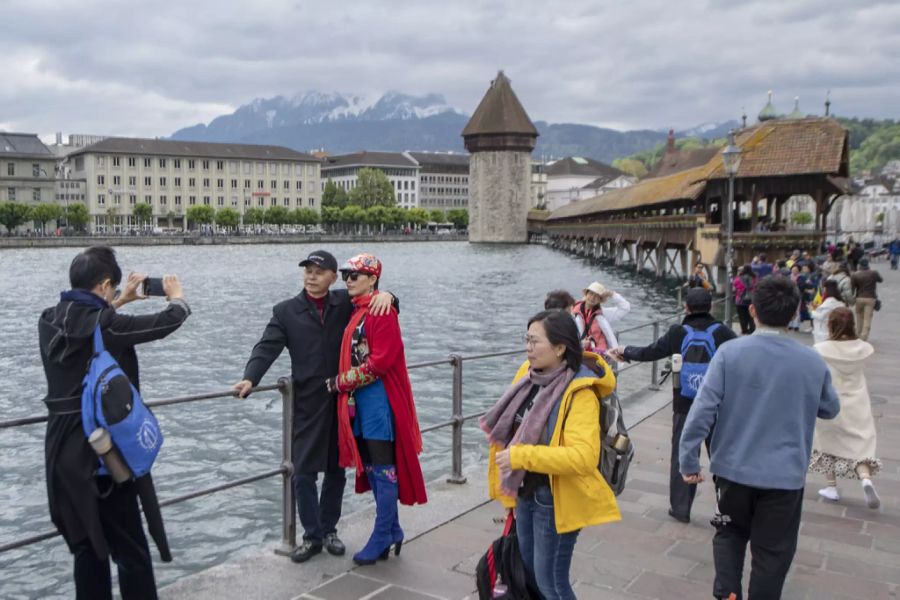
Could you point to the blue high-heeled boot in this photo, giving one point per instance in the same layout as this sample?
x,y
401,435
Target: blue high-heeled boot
x,y
385,490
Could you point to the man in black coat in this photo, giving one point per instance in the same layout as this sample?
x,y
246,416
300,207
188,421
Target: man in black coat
x,y
96,517
698,303
311,326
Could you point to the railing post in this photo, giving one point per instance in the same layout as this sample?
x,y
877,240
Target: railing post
x,y
288,514
457,362
654,367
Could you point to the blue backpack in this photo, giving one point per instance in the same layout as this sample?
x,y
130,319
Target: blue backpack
x,y
697,350
110,401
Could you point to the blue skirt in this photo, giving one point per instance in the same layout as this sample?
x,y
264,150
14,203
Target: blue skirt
x,y
374,419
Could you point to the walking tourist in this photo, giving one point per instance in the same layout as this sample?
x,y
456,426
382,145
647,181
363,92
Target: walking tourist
x,y
808,284
831,264
865,286
545,445
831,299
894,250
311,326
855,255
763,393
378,430
100,519
845,284
596,321
698,330
845,446
743,286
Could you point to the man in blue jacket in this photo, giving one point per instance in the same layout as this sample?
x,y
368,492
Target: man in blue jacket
x,y
763,392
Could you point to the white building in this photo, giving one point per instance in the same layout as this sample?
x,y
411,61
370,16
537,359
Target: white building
x,y
575,178
443,180
27,169
401,169
172,176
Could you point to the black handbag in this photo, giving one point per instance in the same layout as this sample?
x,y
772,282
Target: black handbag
x,y
500,573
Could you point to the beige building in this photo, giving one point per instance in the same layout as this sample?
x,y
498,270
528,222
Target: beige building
x,y
27,169
172,176
443,180
400,168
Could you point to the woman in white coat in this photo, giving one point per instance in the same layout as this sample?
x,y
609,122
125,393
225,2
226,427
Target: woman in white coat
x,y
845,446
831,300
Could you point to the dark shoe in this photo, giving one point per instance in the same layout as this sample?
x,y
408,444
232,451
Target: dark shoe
x,y
305,551
679,518
334,545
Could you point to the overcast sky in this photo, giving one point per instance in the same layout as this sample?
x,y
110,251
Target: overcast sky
x,y
149,68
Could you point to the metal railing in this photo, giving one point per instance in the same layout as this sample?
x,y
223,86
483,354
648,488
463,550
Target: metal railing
x,y
289,525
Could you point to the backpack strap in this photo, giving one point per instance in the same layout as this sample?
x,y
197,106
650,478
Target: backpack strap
x,y
510,522
98,340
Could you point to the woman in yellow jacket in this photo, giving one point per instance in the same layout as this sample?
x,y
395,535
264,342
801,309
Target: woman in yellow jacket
x,y
545,446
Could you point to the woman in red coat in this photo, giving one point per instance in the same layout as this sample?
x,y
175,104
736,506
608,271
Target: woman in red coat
x,y
378,431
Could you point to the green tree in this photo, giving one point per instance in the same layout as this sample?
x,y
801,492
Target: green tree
x,y
142,213
44,213
278,215
436,215
305,216
351,216
333,195
77,216
377,216
13,214
459,217
331,215
417,216
631,166
397,216
228,218
202,214
802,218
254,216
372,188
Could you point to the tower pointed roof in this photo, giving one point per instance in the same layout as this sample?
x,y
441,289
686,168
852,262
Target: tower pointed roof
x,y
768,112
796,113
500,112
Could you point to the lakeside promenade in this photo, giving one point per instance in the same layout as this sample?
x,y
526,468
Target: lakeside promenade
x,y
845,551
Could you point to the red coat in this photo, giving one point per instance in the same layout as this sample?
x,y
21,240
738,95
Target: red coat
x,y
387,362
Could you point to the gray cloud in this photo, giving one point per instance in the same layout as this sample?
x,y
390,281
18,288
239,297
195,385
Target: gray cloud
x,y
132,68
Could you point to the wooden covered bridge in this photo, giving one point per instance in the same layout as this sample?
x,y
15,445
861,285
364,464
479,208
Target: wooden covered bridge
x,y
669,222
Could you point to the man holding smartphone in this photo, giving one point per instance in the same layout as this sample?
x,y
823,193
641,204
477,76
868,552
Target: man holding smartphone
x,y
311,326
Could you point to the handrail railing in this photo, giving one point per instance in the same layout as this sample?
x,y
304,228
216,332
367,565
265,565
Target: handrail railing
x,y
456,422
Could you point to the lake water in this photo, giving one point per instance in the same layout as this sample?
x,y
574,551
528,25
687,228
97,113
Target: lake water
x,y
455,297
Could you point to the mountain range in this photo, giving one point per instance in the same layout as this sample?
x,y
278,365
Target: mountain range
x,y
342,123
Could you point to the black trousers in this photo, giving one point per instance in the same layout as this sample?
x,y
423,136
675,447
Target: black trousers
x,y
319,514
681,494
120,517
770,521
748,325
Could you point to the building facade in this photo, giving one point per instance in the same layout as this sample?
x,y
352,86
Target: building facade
x,y
576,178
400,168
27,169
443,180
172,176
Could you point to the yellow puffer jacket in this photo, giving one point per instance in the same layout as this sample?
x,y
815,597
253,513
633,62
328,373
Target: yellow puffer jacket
x,y
581,497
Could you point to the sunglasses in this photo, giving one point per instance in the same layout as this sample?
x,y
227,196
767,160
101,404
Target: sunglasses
x,y
351,275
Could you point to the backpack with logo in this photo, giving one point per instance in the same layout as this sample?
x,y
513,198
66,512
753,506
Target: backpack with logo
x,y
697,350
501,573
109,401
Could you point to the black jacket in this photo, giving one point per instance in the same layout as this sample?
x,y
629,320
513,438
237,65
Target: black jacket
x,y
65,334
670,343
314,344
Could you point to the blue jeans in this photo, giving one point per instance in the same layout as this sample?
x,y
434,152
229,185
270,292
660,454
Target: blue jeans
x,y
547,555
319,517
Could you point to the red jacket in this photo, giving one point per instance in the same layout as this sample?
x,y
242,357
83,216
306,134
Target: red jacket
x,y
386,362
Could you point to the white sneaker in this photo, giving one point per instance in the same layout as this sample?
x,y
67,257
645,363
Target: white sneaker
x,y
830,493
872,499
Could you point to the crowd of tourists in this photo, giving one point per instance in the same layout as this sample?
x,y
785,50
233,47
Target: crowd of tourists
x,y
558,445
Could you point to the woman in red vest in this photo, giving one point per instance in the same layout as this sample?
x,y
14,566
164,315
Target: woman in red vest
x,y
378,431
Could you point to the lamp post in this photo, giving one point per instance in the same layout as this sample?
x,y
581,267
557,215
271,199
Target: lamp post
x,y
731,158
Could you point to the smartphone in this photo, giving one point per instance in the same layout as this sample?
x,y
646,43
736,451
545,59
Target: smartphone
x,y
153,286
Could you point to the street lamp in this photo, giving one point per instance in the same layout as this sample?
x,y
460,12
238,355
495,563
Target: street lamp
x,y
731,158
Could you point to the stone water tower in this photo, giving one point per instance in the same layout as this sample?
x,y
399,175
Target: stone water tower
x,y
500,137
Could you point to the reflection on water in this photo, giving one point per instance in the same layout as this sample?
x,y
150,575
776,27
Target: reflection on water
x,y
454,298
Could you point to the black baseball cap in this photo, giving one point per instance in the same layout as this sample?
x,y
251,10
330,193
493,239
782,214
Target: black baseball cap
x,y
321,258
698,299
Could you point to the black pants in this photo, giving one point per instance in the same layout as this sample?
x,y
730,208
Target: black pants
x,y
319,515
121,521
681,494
748,326
770,521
